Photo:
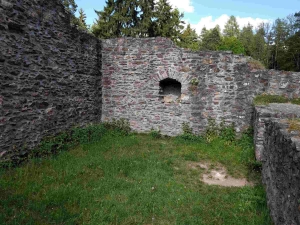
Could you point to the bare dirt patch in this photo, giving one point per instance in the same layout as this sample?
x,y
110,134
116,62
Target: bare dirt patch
x,y
217,175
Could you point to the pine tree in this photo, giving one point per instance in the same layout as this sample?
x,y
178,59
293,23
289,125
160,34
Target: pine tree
x,y
247,39
280,35
231,28
167,22
259,47
81,19
210,40
70,6
108,24
146,24
189,38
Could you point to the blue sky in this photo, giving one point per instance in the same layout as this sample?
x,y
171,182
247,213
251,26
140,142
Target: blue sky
x,y
208,13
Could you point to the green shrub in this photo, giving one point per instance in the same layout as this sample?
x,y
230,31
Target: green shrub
x,y
121,126
65,140
155,133
186,128
227,133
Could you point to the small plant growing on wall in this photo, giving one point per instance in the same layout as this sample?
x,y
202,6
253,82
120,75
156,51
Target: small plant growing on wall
x,y
193,84
186,128
155,133
194,81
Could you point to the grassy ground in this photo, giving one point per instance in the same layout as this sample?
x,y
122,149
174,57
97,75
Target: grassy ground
x,y
132,179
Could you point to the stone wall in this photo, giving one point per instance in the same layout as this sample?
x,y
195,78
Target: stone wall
x,y
281,162
214,84
50,74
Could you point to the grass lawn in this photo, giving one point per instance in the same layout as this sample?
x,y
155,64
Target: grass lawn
x,y
133,179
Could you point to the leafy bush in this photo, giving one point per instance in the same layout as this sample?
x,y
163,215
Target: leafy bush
x,y
155,133
121,126
186,128
227,133
223,131
188,134
65,140
212,130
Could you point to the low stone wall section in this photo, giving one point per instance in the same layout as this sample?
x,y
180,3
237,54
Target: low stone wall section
x,y
281,171
265,113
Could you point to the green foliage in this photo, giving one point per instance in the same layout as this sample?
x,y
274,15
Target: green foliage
x,y
78,135
227,133
155,133
210,40
194,81
53,145
231,28
266,99
189,39
232,44
247,39
212,130
138,19
295,101
70,6
186,128
167,21
121,126
130,180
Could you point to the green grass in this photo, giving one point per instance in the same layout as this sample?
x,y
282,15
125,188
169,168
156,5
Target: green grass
x,y
135,179
266,99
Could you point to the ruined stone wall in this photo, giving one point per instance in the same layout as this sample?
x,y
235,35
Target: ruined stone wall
x,y
49,74
214,84
281,172
134,68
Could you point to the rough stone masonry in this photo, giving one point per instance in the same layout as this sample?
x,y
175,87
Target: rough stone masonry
x,y
53,77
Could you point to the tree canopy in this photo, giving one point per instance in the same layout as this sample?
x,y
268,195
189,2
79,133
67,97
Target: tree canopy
x,y
133,18
276,45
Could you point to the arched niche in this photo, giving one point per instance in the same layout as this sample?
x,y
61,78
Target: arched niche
x,y
169,90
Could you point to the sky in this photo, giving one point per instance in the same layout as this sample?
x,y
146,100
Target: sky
x,y
209,13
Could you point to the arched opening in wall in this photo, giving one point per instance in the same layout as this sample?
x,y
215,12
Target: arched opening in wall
x,y
169,90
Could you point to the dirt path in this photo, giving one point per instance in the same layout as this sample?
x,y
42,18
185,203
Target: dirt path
x,y
217,175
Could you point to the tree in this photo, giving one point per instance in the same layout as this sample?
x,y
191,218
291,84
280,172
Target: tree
x,y
189,39
297,21
81,20
231,28
247,39
167,21
211,40
259,47
232,44
279,36
70,6
109,22
138,18
146,24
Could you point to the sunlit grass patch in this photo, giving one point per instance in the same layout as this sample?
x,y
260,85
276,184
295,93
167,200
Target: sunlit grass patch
x,y
134,179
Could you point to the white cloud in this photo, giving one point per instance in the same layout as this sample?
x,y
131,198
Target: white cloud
x,y
182,5
210,23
